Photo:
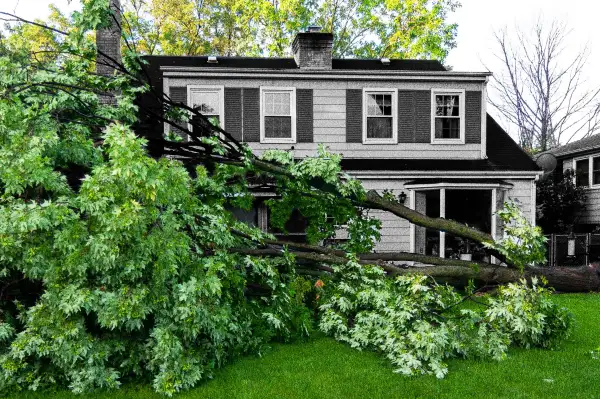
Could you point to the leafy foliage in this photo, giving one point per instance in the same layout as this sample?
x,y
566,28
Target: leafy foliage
x,y
417,324
522,244
559,202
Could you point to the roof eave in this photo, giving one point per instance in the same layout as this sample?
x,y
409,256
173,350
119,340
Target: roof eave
x,y
174,71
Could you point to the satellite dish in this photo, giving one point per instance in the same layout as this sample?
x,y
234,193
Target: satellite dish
x,y
548,163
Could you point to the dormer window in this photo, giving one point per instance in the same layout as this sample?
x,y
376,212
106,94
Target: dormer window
x,y
278,115
448,116
380,122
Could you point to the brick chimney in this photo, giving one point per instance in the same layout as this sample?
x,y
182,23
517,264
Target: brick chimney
x,y
108,41
312,49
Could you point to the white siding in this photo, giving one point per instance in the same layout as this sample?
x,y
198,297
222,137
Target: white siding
x,y
334,139
395,231
522,192
591,214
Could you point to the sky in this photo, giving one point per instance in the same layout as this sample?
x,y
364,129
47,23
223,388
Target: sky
x,y
477,20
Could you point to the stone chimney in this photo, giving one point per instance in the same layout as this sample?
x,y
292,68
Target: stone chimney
x,y
312,49
108,41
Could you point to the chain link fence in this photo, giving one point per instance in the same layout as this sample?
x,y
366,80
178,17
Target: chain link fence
x,y
585,249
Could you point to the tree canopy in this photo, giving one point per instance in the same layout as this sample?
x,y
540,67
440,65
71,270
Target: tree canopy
x,y
115,265
367,29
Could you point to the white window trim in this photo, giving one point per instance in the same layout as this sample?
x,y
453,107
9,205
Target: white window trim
x,y
590,159
461,115
271,140
221,89
394,138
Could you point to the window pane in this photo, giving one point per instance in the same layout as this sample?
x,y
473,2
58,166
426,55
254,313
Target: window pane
x,y
277,103
379,104
582,173
596,171
447,128
207,102
250,217
379,128
278,127
447,105
269,103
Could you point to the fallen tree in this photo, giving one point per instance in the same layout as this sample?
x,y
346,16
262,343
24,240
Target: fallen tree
x,y
210,145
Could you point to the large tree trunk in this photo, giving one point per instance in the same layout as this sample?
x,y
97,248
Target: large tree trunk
x,y
452,271
562,279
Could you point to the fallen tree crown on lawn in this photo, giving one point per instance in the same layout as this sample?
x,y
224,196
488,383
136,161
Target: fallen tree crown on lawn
x,y
119,265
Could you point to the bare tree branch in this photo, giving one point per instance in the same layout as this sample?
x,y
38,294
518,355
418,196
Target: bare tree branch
x,y
540,90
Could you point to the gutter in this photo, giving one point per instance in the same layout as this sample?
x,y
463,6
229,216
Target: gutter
x,y
383,174
258,73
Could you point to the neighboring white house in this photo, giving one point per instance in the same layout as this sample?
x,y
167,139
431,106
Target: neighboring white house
x,y
583,157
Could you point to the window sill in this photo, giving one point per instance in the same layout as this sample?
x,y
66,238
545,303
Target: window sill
x,y
278,141
447,141
386,141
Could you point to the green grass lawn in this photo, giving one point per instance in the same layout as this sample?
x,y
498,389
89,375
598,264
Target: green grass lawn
x,y
323,368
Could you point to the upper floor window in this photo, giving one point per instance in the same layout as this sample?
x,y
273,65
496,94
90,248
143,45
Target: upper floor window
x,y
587,171
278,115
208,100
448,116
380,122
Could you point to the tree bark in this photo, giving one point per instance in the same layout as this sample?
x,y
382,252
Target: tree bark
x,y
451,271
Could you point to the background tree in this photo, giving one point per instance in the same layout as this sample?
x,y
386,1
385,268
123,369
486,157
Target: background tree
x,y
559,203
542,90
371,29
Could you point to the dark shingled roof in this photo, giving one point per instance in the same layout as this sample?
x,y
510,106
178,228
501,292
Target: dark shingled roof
x,y
503,152
289,63
503,155
587,144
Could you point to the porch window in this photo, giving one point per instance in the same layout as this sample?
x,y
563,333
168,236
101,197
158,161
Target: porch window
x,y
379,116
582,172
474,208
471,206
448,116
294,229
278,115
596,171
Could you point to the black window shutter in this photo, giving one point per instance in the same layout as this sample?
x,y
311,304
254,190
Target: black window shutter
x,y
406,116
233,112
251,115
304,115
422,116
473,117
179,95
354,116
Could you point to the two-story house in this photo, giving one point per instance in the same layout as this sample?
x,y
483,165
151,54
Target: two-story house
x,y
410,126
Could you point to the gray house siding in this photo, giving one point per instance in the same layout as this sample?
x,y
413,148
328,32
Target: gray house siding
x,y
337,117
